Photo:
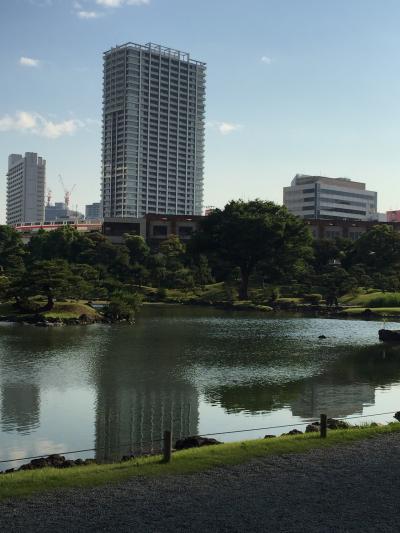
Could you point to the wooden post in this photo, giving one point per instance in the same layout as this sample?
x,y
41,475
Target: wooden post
x,y
323,426
167,446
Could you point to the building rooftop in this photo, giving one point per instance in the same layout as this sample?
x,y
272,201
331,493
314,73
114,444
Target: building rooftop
x,y
303,179
157,49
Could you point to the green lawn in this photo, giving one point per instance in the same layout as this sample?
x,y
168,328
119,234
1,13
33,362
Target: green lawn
x,y
372,299
70,309
26,483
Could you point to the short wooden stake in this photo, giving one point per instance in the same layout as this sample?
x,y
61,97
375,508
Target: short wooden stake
x,y
323,426
167,446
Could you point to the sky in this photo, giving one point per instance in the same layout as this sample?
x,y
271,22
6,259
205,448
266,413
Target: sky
x,y
293,86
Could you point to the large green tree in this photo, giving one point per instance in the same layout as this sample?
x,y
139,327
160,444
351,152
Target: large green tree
x,y
378,250
47,279
11,251
255,234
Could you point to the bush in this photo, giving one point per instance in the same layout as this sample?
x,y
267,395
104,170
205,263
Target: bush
x,y
122,306
313,298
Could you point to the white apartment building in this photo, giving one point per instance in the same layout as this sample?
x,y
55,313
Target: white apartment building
x,y
153,132
320,197
26,178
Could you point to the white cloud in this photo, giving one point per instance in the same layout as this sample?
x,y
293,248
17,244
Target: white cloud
x,y
29,62
267,60
88,14
36,124
119,3
225,128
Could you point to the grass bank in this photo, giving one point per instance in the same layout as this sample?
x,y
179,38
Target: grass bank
x,y
372,299
26,483
61,311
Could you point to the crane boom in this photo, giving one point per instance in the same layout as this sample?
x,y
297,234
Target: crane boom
x,y
67,193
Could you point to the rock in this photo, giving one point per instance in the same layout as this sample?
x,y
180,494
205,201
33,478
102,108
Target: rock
x,y
79,462
312,428
195,442
397,416
332,423
269,436
389,335
39,463
127,457
27,467
322,337
10,471
295,432
56,460
67,464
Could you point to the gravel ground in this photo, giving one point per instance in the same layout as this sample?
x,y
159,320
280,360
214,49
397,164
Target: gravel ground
x,y
351,488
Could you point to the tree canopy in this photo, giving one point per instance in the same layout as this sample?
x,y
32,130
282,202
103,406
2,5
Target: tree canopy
x,y
255,234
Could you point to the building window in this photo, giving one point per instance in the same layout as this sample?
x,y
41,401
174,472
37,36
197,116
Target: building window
x,y
160,231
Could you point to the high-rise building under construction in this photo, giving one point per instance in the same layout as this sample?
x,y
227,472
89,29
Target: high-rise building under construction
x,y
153,131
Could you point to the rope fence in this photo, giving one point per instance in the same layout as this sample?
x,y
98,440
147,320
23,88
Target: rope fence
x,y
166,446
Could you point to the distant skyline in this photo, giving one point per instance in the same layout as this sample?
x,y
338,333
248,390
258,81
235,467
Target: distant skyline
x,y
292,87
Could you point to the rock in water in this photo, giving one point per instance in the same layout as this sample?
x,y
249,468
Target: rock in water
x,y
389,335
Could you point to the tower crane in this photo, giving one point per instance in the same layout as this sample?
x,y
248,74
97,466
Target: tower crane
x,y
67,193
49,195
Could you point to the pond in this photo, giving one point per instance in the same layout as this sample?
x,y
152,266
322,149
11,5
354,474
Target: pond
x,y
197,370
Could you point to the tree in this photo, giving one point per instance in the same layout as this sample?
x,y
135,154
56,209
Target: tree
x,y
246,234
11,251
328,250
101,253
48,279
378,250
63,243
138,249
123,306
139,254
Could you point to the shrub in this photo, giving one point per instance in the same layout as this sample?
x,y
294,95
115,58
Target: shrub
x,y
122,306
313,298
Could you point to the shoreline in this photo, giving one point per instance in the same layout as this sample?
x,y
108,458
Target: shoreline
x,y
190,461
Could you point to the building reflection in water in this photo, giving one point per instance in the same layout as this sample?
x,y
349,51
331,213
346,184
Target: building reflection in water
x,y
134,418
335,399
20,407
141,391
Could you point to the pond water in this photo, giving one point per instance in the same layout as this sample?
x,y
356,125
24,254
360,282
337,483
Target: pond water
x,y
199,370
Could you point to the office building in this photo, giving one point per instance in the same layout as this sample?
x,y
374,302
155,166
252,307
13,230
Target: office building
x,y
320,197
26,179
153,132
92,211
59,212
393,216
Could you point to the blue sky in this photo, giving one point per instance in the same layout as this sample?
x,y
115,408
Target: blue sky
x,y
309,86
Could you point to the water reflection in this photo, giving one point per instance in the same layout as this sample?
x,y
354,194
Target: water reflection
x,y
112,387
141,392
20,407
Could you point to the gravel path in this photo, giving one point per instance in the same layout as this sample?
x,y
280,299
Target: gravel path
x,y
352,488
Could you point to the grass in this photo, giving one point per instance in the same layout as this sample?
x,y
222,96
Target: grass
x,y
70,310
26,483
372,299
61,310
